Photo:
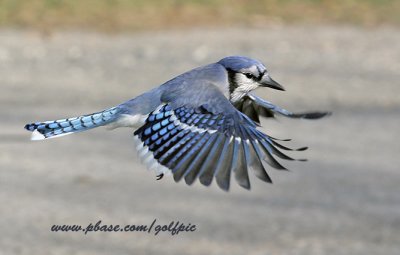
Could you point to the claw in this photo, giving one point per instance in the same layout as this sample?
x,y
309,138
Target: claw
x,y
160,176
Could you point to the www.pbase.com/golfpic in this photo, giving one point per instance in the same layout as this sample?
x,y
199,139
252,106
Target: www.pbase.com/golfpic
x,y
173,228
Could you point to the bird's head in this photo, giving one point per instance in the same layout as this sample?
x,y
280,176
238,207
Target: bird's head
x,y
246,74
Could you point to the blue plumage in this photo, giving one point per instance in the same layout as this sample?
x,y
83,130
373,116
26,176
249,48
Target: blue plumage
x,y
60,127
201,124
199,144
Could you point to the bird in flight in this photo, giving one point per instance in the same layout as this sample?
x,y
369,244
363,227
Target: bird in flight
x,y
202,124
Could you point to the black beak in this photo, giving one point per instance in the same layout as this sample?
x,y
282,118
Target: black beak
x,y
267,81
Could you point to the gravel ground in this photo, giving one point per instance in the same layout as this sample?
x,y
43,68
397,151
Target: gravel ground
x,y
345,200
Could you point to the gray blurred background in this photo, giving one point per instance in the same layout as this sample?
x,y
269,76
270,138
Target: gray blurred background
x,y
345,200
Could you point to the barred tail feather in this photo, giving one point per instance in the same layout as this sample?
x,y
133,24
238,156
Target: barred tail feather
x,y
57,128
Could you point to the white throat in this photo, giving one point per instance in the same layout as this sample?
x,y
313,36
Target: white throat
x,y
244,86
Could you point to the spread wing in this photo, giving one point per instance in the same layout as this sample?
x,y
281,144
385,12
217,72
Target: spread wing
x,y
206,141
254,107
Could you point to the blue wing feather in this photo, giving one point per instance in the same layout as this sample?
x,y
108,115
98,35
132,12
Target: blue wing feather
x,y
209,142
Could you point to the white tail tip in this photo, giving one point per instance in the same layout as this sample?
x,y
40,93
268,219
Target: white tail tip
x,y
37,136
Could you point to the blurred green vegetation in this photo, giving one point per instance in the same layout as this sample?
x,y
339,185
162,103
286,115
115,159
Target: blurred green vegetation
x,y
116,15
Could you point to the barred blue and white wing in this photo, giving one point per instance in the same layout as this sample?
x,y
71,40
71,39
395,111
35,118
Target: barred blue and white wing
x,y
205,143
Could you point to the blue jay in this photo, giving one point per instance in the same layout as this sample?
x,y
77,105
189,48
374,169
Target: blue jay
x,y
201,124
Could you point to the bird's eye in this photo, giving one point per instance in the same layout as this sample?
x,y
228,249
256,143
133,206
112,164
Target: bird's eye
x,y
249,75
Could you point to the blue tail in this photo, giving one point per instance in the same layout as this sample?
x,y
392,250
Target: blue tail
x,y
56,128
